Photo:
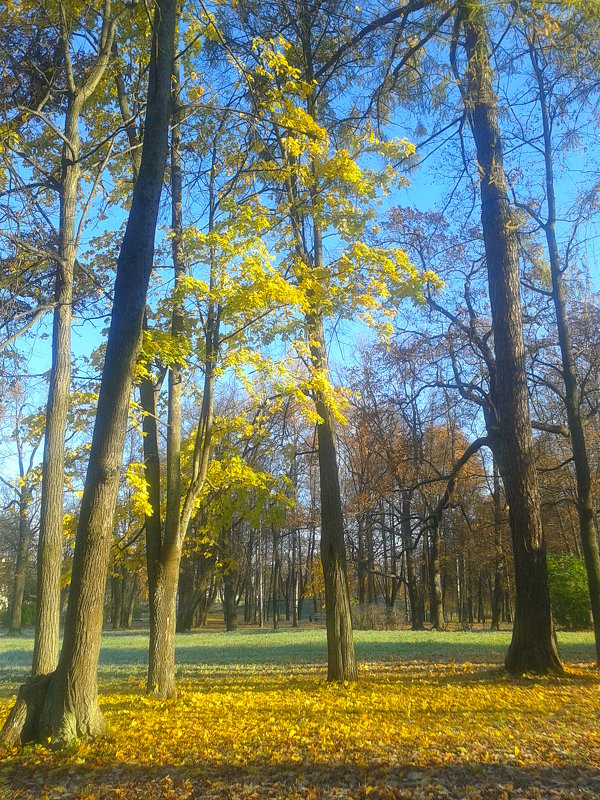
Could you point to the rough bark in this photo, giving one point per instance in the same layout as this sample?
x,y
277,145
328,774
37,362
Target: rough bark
x,y
70,703
341,661
45,653
161,666
533,646
50,542
585,502
161,669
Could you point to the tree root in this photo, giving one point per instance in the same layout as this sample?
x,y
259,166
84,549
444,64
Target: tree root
x,y
24,721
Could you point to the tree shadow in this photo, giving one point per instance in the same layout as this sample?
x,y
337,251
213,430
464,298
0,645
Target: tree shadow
x,y
310,780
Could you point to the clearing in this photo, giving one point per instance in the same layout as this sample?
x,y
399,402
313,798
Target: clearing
x,y
432,716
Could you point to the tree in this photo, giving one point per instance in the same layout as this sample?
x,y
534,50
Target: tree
x,y
64,704
533,645
79,89
572,400
309,156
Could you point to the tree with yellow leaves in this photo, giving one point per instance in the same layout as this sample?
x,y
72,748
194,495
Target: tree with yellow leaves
x,y
313,161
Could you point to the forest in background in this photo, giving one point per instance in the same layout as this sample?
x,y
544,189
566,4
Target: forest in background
x,y
326,269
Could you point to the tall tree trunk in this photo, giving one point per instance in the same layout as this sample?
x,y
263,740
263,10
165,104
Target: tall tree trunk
x,y
153,522
585,502
533,646
161,667
64,705
341,661
50,541
161,659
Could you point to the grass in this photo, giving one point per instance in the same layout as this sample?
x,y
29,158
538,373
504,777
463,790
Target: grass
x,y
432,715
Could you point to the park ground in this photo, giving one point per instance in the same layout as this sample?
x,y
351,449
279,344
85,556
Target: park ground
x,y
432,716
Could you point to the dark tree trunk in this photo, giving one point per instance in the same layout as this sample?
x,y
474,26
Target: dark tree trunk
x,y
186,594
131,601
295,583
498,554
187,609
386,562
585,501
533,646
153,522
117,601
163,610
161,661
66,707
394,582
20,574
371,591
480,607
363,566
414,596
50,542
275,576
435,579
341,662
229,581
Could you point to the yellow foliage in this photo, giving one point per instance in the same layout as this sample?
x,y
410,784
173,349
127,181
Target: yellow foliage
x,y
136,478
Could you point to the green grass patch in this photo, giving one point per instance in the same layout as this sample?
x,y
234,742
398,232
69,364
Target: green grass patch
x,y
124,654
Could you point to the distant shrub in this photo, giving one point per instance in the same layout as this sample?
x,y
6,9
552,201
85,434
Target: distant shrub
x,y
567,579
371,617
27,615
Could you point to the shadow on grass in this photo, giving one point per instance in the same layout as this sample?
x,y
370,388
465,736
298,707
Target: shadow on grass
x,y
245,650
300,780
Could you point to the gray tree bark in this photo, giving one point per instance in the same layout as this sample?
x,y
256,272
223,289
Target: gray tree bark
x,y
49,562
533,646
585,501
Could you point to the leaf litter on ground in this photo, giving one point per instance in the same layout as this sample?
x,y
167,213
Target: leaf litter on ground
x,y
415,729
